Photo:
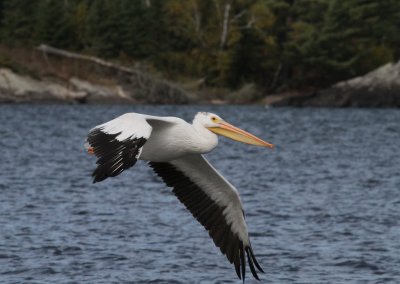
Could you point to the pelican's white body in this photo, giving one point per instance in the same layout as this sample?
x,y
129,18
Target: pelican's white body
x,y
168,138
176,140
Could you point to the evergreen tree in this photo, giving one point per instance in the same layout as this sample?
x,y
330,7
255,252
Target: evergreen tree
x,y
103,28
1,10
253,56
79,14
17,25
142,28
53,24
346,40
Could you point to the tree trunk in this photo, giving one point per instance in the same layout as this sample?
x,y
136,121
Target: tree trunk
x,y
224,34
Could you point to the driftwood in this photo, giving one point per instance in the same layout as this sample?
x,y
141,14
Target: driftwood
x,y
72,55
135,84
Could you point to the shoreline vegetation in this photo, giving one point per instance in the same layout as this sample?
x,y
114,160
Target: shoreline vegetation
x,y
273,52
48,74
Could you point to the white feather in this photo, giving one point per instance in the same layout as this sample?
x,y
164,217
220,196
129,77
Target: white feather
x,y
129,125
201,172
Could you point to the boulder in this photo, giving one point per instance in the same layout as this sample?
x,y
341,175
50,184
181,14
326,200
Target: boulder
x,y
18,88
95,93
378,88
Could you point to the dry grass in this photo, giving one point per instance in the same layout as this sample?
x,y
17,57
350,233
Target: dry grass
x,y
37,64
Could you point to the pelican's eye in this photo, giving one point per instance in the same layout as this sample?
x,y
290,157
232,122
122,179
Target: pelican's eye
x,y
213,119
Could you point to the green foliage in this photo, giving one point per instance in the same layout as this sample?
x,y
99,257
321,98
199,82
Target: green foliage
x,y
53,24
275,44
17,25
103,31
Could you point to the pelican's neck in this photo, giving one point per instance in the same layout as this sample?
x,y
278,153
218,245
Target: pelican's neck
x,y
205,139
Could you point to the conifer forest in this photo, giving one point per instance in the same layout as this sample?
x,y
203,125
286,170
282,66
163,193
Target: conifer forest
x,y
275,44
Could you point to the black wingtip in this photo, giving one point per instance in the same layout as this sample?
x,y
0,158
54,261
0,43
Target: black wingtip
x,y
236,261
238,272
250,250
252,269
97,177
242,261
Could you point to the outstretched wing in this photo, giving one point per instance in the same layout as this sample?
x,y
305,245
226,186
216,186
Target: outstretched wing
x,y
215,203
118,144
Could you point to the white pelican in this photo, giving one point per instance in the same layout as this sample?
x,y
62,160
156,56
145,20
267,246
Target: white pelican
x,y
174,150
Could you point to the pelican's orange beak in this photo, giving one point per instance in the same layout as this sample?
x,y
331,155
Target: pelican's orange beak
x,y
237,134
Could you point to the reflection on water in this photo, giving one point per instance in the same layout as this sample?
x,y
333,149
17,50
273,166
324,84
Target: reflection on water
x,y
323,207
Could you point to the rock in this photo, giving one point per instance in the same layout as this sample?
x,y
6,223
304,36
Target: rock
x,y
247,93
95,93
145,89
296,99
378,88
88,88
129,84
17,88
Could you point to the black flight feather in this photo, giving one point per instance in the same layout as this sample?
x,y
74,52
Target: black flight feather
x,y
210,215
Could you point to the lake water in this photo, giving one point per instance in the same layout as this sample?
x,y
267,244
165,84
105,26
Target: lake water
x,y
323,207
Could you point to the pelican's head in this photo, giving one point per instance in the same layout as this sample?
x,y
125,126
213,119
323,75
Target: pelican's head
x,y
219,126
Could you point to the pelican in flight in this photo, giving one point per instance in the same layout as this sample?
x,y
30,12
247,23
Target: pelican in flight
x,y
174,149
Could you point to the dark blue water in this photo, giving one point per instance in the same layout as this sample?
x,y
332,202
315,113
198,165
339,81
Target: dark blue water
x,y
323,207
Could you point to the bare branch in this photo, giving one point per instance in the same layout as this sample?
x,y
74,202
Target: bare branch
x,y
239,15
197,16
224,34
218,9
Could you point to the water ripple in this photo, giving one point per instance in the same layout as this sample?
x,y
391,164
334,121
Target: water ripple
x,y
322,207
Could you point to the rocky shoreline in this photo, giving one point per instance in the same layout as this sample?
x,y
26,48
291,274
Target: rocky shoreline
x,y
55,75
110,83
15,88
378,88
